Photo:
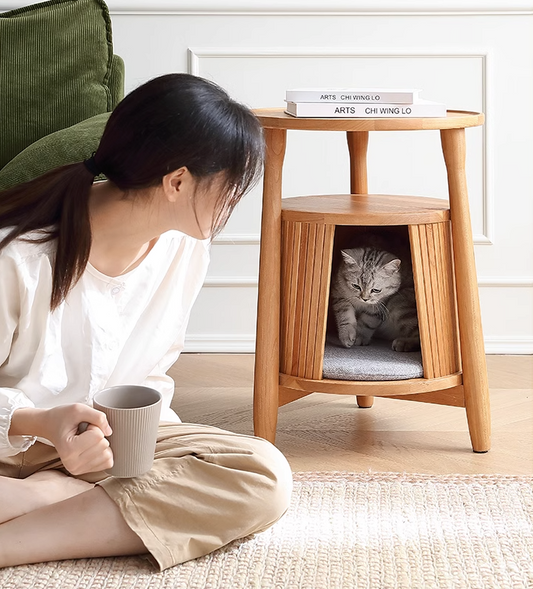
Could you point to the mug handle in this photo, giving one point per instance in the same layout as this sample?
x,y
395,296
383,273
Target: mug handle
x,y
82,427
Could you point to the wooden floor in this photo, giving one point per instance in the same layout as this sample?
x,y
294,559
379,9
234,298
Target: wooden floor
x,y
329,432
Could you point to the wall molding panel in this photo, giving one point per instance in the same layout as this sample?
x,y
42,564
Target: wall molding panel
x,y
319,7
196,54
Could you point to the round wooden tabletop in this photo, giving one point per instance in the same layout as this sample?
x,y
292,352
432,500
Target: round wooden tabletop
x,y
276,118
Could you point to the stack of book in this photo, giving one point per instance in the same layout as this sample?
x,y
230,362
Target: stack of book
x,y
364,103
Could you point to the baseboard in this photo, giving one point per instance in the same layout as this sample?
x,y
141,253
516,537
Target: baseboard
x,y
224,343
245,344
504,345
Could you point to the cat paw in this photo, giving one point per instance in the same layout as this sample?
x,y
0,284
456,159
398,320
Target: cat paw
x,y
362,341
401,344
347,336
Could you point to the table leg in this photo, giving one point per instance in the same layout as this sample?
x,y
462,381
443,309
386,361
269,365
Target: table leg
x,y
266,376
358,146
475,379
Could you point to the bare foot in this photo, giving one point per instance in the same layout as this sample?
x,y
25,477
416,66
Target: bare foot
x,y
21,496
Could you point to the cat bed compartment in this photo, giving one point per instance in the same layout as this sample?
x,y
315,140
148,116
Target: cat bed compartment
x,y
377,361
313,227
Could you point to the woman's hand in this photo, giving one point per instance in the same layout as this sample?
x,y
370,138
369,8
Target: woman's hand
x,y
80,453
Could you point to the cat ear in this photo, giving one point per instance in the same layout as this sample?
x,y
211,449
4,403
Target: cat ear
x,y
392,266
348,260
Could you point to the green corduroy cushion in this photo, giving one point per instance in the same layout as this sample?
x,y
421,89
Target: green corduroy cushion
x,y
67,146
116,80
55,64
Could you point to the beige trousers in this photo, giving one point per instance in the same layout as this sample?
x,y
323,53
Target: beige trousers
x,y
207,487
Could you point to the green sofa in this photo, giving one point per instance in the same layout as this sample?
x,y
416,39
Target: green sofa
x,y
59,80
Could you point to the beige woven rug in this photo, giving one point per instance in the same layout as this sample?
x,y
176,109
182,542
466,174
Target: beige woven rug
x,y
348,531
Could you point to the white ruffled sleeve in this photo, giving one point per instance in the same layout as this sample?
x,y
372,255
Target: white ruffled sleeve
x,y
10,399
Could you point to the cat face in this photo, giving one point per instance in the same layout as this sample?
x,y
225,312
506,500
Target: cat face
x,y
369,275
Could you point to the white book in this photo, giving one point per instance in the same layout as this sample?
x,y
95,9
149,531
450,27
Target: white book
x,y
419,109
352,95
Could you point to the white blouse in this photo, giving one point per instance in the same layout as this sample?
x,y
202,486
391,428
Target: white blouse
x,y
124,330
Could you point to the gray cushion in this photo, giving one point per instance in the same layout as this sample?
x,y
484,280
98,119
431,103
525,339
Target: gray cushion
x,y
67,146
378,361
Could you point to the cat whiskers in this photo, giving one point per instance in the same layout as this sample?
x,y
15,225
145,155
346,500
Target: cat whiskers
x,y
382,310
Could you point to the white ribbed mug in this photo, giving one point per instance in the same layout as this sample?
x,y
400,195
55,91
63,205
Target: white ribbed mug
x,y
133,413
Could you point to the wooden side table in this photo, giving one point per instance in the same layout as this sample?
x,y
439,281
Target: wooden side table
x,y
473,376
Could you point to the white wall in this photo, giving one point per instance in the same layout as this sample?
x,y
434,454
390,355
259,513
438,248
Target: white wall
x,y
471,54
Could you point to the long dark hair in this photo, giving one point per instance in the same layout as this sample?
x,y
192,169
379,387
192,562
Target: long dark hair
x,y
172,121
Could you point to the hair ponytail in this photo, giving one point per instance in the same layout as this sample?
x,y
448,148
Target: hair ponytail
x,y
56,206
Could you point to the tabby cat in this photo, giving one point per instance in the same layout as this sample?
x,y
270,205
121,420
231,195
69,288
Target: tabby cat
x,y
372,294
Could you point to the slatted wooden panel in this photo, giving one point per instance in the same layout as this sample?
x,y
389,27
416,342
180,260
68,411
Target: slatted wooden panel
x,y
306,254
431,253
